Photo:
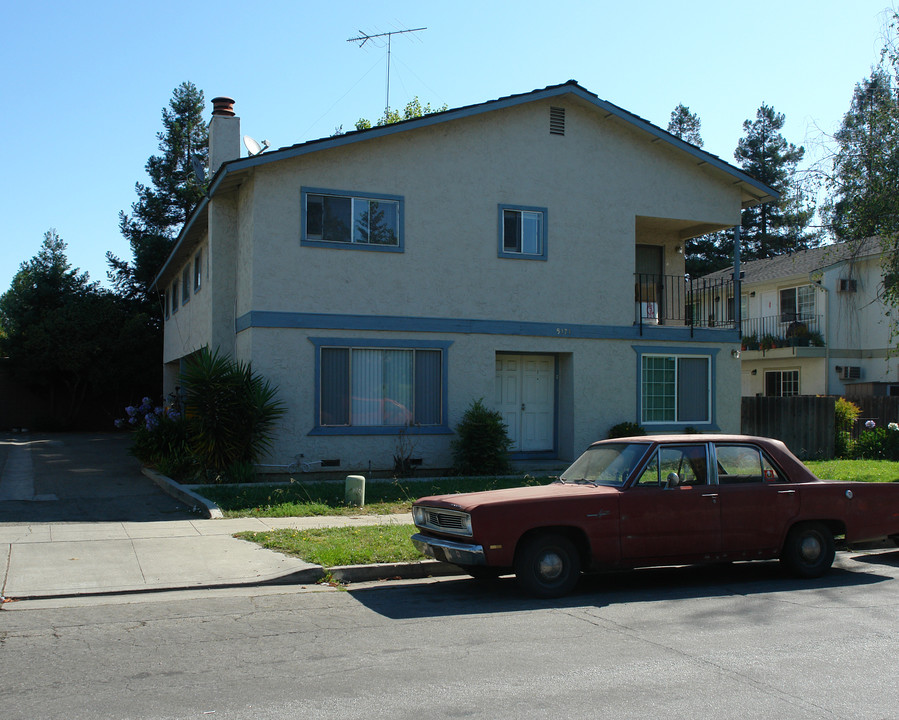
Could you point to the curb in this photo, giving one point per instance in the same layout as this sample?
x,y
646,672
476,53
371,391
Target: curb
x,y
188,497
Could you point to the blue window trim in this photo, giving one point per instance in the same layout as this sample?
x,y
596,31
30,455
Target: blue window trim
x,y
503,253
366,343
399,199
711,353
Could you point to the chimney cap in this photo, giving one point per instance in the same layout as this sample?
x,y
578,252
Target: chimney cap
x,y
223,106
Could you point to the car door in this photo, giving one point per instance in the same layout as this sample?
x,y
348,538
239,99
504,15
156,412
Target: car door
x,y
757,505
671,512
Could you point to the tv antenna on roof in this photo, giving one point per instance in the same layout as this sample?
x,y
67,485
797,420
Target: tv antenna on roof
x,y
365,37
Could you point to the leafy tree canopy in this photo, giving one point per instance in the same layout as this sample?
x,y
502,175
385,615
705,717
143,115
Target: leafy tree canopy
x,y
413,109
68,339
163,206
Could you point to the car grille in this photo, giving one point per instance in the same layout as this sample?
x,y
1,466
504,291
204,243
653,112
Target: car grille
x,y
445,520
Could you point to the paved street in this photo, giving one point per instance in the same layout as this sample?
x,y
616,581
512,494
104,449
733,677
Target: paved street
x,y
741,642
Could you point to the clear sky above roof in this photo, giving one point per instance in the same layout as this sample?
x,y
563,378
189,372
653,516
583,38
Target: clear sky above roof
x,y
84,84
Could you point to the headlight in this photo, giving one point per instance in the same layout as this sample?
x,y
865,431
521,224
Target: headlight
x,y
419,515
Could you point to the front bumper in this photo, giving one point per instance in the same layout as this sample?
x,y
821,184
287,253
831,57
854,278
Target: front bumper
x,y
449,551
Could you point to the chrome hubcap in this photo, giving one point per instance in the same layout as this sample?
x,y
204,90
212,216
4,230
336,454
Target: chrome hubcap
x,y
549,566
810,548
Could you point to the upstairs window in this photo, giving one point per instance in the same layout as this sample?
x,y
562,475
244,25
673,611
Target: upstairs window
x,y
198,272
185,285
174,297
522,232
361,220
797,304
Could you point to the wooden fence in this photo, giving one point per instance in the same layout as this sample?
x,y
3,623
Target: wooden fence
x,y
805,423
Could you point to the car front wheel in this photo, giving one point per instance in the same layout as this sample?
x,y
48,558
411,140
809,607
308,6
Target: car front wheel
x,y
809,550
547,565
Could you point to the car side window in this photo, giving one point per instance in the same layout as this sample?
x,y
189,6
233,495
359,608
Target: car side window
x,y
650,475
675,465
739,464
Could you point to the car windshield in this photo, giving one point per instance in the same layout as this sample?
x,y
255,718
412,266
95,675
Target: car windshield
x,y
607,464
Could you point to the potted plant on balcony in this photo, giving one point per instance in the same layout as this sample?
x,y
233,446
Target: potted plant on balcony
x,y
769,342
750,342
798,334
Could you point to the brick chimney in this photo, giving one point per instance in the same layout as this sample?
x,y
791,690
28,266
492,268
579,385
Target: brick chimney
x,y
224,134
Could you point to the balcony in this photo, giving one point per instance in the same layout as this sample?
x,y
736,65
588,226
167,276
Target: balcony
x,y
788,330
676,300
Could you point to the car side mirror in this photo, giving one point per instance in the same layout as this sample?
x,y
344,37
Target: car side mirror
x,y
672,481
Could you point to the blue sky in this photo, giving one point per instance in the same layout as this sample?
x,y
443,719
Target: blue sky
x,y
84,84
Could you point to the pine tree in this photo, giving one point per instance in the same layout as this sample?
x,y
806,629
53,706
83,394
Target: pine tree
x,y
864,185
163,206
763,152
685,125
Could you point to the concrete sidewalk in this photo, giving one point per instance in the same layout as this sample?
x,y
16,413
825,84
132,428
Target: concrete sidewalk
x,y
77,517
68,559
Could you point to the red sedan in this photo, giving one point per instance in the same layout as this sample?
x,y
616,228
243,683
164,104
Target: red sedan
x,y
657,500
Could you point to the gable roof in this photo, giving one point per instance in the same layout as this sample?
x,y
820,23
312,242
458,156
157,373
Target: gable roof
x,y
231,173
800,263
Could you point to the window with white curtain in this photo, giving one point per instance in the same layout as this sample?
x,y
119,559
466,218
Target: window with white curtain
x,y
380,387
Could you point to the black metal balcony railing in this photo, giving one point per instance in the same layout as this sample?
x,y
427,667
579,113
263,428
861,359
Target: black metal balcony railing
x,y
787,330
678,300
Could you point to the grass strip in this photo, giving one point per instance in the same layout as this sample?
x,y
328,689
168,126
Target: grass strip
x,y
382,497
334,547
885,471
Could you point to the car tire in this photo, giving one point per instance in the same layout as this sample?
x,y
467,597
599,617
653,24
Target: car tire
x,y
547,565
809,550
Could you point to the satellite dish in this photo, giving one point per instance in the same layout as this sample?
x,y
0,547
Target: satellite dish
x,y
253,147
199,169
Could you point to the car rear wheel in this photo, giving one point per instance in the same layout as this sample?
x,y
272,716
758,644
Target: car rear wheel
x,y
547,565
809,550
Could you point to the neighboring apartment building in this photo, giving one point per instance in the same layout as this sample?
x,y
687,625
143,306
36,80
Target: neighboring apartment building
x,y
814,323
527,251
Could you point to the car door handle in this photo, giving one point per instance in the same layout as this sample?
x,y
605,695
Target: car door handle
x,y
714,496
786,492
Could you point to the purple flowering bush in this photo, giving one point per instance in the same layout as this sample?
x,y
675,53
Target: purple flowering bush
x,y
878,443
160,438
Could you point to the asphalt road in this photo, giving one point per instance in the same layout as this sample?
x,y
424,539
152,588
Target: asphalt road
x,y
739,641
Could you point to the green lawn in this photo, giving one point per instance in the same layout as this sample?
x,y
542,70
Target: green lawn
x,y
855,470
333,547
382,497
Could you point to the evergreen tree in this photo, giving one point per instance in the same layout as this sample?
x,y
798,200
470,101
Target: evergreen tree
x,y
163,206
707,253
79,347
763,152
864,185
685,125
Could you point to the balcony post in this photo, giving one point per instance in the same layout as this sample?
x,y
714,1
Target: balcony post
x,y
738,299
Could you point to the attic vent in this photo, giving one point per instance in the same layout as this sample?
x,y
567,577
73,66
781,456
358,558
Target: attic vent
x,y
556,121
848,285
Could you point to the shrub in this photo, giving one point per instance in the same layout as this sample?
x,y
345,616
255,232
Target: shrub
x,y
877,444
626,429
160,438
482,445
231,411
845,413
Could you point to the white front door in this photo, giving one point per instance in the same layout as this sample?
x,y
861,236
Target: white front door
x,y
525,396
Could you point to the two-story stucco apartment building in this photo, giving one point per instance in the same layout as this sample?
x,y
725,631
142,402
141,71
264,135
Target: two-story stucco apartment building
x,y
527,251
814,323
